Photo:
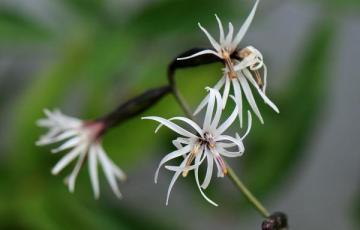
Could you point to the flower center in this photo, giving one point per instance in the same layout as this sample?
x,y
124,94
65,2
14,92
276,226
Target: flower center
x,y
226,55
94,129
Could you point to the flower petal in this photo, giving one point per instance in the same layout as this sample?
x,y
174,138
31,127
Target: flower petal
x,y
94,178
250,98
68,144
221,29
238,99
266,99
108,170
209,110
245,26
209,170
72,178
224,126
197,159
229,36
208,51
187,121
226,92
171,126
213,42
171,156
65,160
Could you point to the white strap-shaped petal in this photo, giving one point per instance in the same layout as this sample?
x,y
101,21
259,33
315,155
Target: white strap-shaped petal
x,y
250,98
171,125
229,36
221,29
108,170
245,26
224,126
197,159
44,139
171,156
187,121
68,144
179,142
228,153
226,92
174,178
65,160
265,79
266,99
217,86
217,116
203,52
236,141
238,99
60,137
209,170
209,110
213,42
72,178
249,125
93,171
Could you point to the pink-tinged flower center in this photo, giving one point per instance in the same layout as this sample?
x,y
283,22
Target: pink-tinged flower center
x,y
229,64
94,129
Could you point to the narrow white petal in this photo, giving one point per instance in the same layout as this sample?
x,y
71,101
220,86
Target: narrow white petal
x,y
197,159
266,99
213,42
171,126
209,110
227,153
265,79
187,121
221,29
68,144
199,54
224,126
209,170
65,160
229,36
217,116
115,169
250,97
249,125
202,104
94,178
75,172
238,98
60,137
226,92
108,170
245,26
173,180
171,156
236,141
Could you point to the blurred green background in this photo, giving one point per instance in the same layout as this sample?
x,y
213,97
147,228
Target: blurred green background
x,y
87,56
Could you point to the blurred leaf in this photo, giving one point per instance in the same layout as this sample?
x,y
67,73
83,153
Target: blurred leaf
x,y
16,28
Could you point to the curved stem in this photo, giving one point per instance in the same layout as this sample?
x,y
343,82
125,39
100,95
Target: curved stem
x,y
184,106
249,196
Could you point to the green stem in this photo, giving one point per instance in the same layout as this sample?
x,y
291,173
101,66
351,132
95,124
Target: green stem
x,y
232,175
184,106
249,196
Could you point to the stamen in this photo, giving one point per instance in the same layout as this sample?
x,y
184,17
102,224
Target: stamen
x,y
232,74
222,164
258,79
191,158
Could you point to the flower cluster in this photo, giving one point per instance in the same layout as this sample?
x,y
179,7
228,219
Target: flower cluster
x,y
83,141
241,66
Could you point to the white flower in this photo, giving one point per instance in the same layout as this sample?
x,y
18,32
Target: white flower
x,y
206,142
83,140
228,44
236,72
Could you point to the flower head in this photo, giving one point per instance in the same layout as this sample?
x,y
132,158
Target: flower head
x,y
238,70
228,45
202,142
82,139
